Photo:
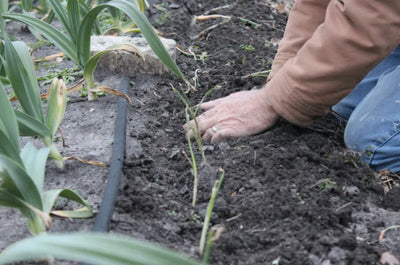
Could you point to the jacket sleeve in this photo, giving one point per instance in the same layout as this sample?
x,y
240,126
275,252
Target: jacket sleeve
x,y
355,36
304,18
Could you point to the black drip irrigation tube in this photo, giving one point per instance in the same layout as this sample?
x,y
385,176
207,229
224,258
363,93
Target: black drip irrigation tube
x,y
103,218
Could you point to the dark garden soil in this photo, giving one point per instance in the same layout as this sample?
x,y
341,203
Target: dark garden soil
x,y
290,195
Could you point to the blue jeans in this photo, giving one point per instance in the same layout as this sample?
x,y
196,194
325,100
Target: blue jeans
x,y
373,113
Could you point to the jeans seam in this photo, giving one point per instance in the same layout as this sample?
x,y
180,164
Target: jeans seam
x,y
382,144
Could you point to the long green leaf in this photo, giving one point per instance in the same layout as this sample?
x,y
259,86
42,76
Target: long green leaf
x,y
61,13
29,126
8,119
99,249
74,18
52,34
22,76
37,221
140,20
22,180
90,66
50,197
9,200
3,6
35,161
8,149
27,5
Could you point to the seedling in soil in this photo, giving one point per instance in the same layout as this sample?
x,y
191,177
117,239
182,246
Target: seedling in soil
x,y
213,235
191,114
214,193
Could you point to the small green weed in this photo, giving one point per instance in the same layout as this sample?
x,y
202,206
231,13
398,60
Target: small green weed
x,y
164,14
248,48
40,43
325,184
67,74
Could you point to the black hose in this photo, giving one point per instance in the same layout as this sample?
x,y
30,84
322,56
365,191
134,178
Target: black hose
x,y
102,221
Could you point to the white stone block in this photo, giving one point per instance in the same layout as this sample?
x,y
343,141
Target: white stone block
x,y
125,62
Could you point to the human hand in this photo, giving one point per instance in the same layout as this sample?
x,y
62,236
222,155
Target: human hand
x,y
239,114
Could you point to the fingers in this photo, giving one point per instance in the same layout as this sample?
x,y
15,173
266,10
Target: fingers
x,y
209,105
202,123
221,135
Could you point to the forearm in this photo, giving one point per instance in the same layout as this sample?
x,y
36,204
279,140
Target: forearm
x,y
304,18
355,36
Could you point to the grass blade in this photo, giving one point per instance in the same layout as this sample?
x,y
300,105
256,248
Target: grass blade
x,y
99,249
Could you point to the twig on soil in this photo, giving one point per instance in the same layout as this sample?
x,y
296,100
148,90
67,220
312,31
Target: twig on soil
x,y
342,207
226,19
233,218
257,74
321,181
220,7
190,53
247,21
50,57
90,162
382,233
389,179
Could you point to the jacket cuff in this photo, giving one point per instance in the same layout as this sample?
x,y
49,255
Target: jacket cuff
x,y
289,103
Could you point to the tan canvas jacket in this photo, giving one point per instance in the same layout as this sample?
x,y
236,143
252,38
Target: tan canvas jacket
x,y
327,48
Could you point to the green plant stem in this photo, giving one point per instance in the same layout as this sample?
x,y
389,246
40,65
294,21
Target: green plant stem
x,y
193,159
207,252
54,153
214,193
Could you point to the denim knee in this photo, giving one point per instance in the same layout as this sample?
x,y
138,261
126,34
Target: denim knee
x,y
378,146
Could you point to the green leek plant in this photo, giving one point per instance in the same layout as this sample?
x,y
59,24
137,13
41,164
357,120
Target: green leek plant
x,y
191,114
31,119
207,218
76,43
93,248
22,175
